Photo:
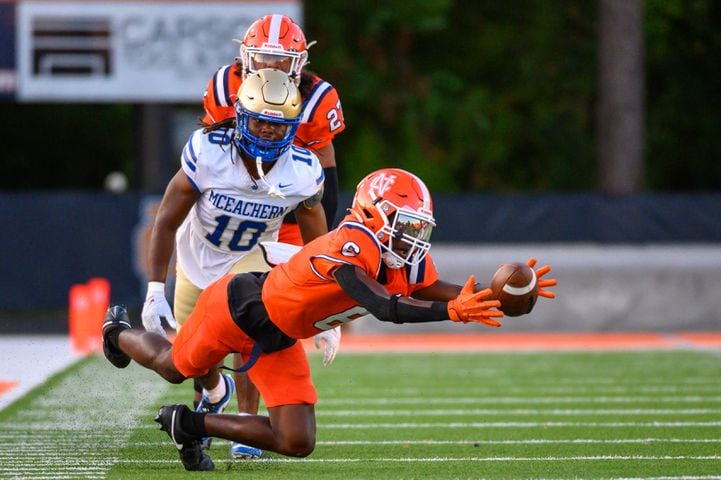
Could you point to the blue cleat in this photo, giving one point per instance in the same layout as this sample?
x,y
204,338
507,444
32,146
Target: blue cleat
x,y
238,451
206,407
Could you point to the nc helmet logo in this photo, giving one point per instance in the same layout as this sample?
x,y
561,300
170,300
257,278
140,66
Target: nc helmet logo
x,y
381,184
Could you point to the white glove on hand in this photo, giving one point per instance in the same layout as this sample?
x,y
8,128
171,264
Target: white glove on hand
x,y
332,343
155,307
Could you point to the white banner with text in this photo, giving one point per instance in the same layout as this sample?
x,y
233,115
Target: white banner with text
x,y
153,52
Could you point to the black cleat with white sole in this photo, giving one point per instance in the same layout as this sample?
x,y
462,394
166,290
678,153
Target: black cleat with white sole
x,y
188,445
116,317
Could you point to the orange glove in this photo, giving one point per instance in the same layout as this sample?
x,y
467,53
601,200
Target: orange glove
x,y
549,282
470,306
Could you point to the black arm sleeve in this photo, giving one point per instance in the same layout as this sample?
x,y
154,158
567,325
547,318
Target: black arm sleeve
x,y
394,308
330,195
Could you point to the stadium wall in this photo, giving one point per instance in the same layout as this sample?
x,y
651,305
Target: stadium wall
x,y
602,287
650,262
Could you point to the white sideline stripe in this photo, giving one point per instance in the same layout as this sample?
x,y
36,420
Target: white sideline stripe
x,y
522,400
533,390
533,441
532,411
604,390
462,459
351,426
536,441
605,382
14,426
22,354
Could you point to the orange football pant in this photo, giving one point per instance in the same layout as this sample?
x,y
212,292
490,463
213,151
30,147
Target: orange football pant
x,y
209,334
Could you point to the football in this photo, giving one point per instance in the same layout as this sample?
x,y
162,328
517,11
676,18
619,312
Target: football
x,y
515,285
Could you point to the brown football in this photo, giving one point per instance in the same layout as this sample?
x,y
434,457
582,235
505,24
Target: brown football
x,y
515,285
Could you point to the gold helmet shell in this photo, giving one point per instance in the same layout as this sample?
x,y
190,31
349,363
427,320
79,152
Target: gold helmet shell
x,y
268,95
270,91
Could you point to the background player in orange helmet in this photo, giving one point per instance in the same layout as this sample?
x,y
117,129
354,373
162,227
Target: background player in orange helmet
x,y
276,41
376,262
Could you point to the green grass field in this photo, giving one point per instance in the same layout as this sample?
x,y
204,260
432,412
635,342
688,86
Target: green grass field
x,y
645,414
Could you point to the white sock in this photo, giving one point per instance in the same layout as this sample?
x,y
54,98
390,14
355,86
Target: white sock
x,y
216,394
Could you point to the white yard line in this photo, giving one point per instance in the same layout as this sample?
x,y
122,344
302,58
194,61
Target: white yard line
x,y
604,390
454,400
352,426
107,406
577,458
497,425
522,443
516,412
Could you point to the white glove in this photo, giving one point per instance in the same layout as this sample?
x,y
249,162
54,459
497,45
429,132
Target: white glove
x,y
155,307
332,343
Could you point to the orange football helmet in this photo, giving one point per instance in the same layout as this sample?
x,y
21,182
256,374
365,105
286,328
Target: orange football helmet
x,y
273,41
397,206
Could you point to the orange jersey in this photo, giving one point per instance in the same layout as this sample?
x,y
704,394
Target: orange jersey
x,y
322,115
302,297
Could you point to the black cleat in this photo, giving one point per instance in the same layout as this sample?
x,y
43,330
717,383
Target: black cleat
x,y
115,318
188,445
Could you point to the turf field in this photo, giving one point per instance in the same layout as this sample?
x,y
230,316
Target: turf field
x,y
556,415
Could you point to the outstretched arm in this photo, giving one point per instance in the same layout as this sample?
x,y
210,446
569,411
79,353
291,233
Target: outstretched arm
x,y
399,309
442,290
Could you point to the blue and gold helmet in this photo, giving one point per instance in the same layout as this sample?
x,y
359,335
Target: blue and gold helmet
x,y
268,95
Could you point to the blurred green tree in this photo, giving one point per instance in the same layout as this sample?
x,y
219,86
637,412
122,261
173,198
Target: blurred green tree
x,y
472,96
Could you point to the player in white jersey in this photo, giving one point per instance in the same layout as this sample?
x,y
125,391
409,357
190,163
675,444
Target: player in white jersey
x,y
236,182
235,211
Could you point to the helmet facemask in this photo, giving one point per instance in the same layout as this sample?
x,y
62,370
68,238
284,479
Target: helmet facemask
x,y
253,59
257,147
405,236
267,96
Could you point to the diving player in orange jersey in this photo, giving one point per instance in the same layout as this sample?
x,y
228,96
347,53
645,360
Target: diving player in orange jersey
x,y
375,262
276,41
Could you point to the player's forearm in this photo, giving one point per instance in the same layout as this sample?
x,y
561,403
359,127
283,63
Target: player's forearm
x,y
311,222
162,244
444,291
386,307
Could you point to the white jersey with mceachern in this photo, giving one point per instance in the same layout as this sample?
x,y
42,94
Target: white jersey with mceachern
x,y
234,213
